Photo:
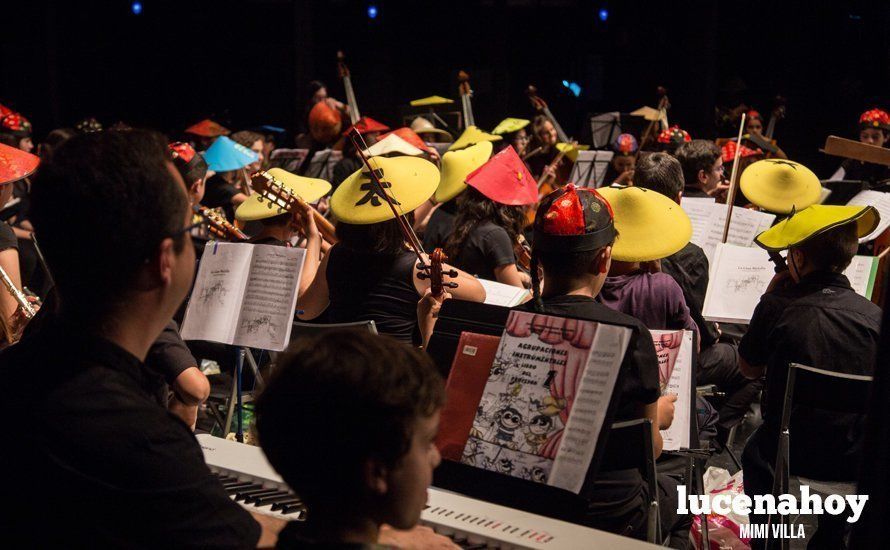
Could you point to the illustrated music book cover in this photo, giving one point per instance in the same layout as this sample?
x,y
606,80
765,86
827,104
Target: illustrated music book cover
x,y
463,389
674,350
740,275
546,398
245,295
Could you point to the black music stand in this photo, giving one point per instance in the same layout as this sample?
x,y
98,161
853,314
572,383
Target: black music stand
x,y
605,129
590,168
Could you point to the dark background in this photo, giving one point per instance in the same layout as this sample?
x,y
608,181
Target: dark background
x,y
248,62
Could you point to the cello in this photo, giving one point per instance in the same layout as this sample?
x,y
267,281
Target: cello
x,y
466,94
351,103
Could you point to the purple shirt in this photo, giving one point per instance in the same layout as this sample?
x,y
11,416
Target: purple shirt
x,y
654,298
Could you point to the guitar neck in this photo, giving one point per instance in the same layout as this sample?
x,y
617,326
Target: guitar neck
x,y
560,133
354,114
770,127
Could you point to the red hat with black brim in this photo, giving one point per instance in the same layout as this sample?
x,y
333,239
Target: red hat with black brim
x,y
184,156
16,125
16,164
367,125
574,220
875,118
207,128
505,179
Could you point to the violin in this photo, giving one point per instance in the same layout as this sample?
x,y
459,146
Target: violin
x,y
541,106
436,274
218,226
466,93
432,270
278,196
523,252
351,103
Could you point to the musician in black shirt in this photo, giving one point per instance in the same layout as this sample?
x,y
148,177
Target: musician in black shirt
x,y
118,469
573,236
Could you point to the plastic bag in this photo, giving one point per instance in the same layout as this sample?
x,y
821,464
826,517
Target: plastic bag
x,y
723,531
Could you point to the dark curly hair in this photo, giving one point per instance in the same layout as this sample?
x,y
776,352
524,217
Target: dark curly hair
x,y
474,208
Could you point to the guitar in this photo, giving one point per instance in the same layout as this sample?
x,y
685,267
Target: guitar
x,y
351,103
276,195
466,93
218,225
541,106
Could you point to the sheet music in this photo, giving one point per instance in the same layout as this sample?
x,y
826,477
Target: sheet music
x,y
499,294
244,295
861,272
708,219
881,201
589,409
590,168
739,277
213,308
267,310
674,349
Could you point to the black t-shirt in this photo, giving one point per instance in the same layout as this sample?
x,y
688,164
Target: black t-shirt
x,y
218,193
7,237
169,357
689,267
487,247
99,463
616,493
440,226
819,322
365,286
344,168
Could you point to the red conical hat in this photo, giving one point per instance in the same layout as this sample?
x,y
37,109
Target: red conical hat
x,y
367,125
505,179
16,164
4,110
208,128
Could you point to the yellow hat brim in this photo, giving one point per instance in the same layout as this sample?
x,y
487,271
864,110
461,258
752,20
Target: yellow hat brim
x,y
510,125
815,220
457,165
780,186
650,226
571,150
412,181
471,136
432,100
308,189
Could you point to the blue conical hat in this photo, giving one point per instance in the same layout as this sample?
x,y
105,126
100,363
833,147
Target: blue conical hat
x,y
225,155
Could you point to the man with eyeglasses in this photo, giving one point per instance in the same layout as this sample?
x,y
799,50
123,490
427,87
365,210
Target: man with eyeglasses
x,y
96,460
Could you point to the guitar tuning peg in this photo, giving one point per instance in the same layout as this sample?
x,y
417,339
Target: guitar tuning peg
x,y
422,276
451,273
450,285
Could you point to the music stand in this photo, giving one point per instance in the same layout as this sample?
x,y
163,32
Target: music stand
x,y
605,129
590,168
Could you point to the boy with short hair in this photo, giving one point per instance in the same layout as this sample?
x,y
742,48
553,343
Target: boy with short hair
x,y
702,164
349,421
810,315
574,233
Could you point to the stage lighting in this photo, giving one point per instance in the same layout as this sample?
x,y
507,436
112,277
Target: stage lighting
x,y
136,8
603,14
372,11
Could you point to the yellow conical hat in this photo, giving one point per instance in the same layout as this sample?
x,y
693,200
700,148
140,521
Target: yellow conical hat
x,y
409,182
780,186
471,136
308,189
510,125
650,226
815,220
457,165
431,100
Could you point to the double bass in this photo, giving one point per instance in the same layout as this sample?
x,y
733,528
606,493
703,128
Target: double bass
x,y
466,95
351,103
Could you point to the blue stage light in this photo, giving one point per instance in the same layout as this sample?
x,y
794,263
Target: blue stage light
x,y
136,8
604,14
372,11
573,87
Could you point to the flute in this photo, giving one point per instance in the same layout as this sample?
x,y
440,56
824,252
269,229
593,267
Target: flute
x,y
24,304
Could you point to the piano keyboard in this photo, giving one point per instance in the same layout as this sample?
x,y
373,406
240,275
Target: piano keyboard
x,y
469,522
